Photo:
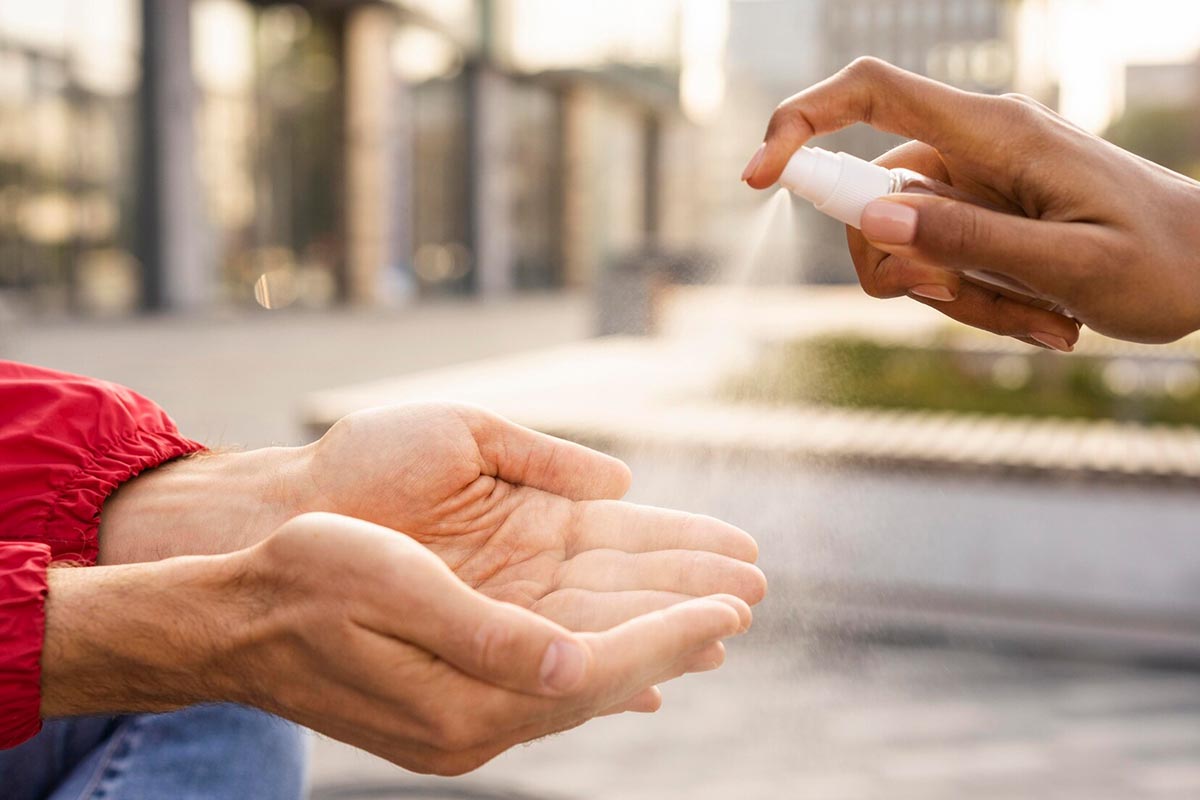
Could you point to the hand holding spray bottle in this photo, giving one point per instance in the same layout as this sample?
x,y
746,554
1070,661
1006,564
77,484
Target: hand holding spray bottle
x,y
841,186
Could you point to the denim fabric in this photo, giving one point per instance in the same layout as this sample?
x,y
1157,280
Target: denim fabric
x,y
214,751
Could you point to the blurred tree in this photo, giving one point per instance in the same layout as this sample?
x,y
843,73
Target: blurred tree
x,y
1166,135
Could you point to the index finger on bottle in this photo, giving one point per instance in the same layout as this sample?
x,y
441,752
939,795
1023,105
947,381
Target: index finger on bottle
x,y
885,97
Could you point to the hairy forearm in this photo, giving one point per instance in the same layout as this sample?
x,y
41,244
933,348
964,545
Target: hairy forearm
x,y
204,504
141,637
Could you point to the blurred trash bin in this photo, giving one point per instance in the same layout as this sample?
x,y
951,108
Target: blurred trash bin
x,y
631,284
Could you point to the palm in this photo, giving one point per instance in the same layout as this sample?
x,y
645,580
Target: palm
x,y
526,518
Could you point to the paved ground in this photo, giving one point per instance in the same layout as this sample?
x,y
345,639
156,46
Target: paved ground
x,y
817,719
793,714
238,380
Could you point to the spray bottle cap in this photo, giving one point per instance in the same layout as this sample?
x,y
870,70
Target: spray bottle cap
x,y
838,184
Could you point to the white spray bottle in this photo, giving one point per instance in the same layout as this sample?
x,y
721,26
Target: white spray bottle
x,y
841,185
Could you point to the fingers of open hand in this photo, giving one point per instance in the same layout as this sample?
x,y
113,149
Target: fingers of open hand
x,y
647,701
706,659
585,610
446,722
526,457
692,572
435,676
642,529
494,641
396,588
627,659
641,651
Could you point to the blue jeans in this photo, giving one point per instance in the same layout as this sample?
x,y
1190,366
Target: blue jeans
x,y
214,751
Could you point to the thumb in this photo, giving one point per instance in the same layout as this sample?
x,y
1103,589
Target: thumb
x,y
526,457
1049,257
496,642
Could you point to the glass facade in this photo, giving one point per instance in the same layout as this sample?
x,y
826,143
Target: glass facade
x,y
67,155
468,153
442,259
268,140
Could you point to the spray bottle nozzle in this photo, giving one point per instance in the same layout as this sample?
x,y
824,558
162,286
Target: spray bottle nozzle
x,y
838,184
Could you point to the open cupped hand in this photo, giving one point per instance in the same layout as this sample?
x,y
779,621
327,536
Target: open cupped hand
x,y
362,634
524,517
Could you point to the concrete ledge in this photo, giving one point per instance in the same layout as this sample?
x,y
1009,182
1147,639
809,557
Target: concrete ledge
x,y
659,392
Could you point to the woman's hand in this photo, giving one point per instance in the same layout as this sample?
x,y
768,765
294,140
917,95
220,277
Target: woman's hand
x,y
1111,237
361,634
524,517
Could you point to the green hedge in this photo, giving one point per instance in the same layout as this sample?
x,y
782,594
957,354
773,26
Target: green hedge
x,y
860,373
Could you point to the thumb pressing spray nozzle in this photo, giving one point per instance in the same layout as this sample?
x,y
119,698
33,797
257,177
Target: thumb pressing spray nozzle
x,y
838,184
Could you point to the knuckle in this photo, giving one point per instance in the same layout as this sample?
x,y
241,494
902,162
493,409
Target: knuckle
x,y
311,521
880,280
460,410
1079,273
1163,334
875,290
452,765
422,764
752,584
452,734
1124,254
867,68
692,526
291,539
780,115
786,119
962,233
1177,327
1019,111
661,621
1021,98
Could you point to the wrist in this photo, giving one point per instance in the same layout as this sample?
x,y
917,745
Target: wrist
x,y
139,637
203,504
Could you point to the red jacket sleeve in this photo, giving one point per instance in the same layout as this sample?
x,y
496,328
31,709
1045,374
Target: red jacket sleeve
x,y
66,442
22,624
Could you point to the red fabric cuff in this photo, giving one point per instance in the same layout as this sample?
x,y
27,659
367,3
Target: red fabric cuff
x,y
22,629
75,510
67,443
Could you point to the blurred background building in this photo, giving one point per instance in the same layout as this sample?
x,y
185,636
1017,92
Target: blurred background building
x,y
198,154
176,154
934,505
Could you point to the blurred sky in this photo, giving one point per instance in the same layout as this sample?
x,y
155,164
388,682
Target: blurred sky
x,y
1088,43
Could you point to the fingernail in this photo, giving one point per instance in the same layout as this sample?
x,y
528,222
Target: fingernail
x,y
889,223
932,291
563,666
1053,342
755,160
